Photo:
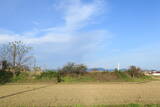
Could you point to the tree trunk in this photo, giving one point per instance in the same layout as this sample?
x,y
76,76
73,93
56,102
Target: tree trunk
x,y
14,55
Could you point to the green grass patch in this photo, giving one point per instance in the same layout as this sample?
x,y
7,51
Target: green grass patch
x,y
121,105
78,79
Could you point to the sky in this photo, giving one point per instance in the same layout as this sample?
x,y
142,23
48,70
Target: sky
x,y
98,33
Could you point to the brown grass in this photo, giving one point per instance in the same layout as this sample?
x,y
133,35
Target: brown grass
x,y
85,94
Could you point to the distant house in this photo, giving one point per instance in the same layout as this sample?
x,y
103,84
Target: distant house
x,y
156,73
152,72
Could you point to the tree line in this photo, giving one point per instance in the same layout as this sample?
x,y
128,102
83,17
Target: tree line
x,y
15,58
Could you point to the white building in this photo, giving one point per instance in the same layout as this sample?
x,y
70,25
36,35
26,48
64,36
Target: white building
x,y
156,73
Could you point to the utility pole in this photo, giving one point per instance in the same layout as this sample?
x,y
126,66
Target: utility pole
x,y
118,67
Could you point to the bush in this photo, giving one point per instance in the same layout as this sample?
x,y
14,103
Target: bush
x,y
59,77
122,75
21,76
48,75
5,77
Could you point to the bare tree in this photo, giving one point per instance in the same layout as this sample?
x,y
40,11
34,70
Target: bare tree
x,y
74,68
134,71
16,53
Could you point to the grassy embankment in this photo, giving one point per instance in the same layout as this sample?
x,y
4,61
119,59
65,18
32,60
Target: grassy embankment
x,y
51,76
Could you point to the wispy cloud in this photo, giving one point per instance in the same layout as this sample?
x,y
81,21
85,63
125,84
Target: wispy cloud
x,y
78,14
48,38
69,38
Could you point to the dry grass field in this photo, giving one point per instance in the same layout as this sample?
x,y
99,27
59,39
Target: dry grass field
x,y
84,94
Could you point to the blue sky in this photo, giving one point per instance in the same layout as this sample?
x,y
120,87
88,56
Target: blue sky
x,y
98,33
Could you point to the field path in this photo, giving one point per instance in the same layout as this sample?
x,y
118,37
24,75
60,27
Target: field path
x,y
21,92
85,94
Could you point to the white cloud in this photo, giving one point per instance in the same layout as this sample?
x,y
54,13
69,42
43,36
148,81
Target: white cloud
x,y
48,38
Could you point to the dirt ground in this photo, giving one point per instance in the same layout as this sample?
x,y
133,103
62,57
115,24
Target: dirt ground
x,y
85,94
